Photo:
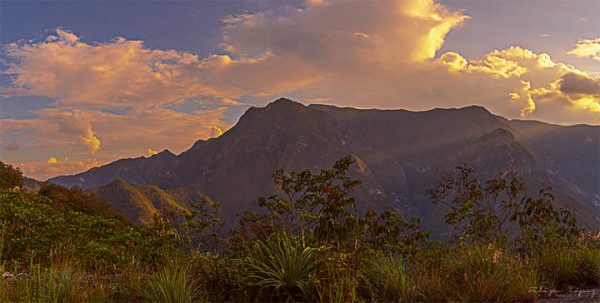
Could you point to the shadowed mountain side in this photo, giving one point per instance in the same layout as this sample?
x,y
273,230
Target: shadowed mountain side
x,y
399,155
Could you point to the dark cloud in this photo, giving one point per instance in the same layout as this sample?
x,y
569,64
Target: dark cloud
x,y
577,84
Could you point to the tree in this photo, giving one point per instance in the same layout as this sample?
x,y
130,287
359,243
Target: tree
x,y
10,177
482,213
201,223
318,206
319,209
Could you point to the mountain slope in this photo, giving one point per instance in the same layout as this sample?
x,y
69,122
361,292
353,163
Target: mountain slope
x,y
137,203
399,155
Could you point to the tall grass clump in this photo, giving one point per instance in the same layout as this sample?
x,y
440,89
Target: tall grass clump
x,y
480,273
51,284
567,268
172,283
280,265
385,278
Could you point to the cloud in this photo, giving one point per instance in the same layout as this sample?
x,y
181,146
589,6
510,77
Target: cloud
x,y
73,122
115,99
53,166
215,132
119,74
587,48
316,54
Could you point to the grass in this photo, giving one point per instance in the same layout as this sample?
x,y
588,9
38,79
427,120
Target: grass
x,y
474,273
569,268
171,284
280,269
386,279
62,284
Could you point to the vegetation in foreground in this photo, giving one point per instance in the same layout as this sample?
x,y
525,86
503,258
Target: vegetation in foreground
x,y
309,242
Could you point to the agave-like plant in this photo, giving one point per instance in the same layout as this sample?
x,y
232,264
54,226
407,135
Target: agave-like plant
x,y
280,264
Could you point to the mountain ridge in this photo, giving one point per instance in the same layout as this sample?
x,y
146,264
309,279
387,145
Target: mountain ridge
x,y
400,154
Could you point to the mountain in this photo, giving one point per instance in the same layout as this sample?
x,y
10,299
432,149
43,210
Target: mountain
x,y
399,155
74,199
137,203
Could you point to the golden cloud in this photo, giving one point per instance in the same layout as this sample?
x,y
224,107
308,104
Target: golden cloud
x,y
119,74
587,48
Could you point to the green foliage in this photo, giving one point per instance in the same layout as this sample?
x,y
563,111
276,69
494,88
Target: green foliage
x,y
171,284
32,229
63,245
75,199
10,177
280,265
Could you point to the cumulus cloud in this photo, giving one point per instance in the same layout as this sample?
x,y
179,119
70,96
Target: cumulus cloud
x,y
114,99
385,54
73,122
119,74
587,48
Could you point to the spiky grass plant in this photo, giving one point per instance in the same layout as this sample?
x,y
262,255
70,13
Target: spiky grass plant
x,y
172,283
386,279
280,266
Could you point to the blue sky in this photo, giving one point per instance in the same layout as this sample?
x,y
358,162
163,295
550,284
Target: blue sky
x,y
67,75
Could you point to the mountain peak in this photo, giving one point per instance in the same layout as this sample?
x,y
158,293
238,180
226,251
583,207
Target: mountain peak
x,y
284,103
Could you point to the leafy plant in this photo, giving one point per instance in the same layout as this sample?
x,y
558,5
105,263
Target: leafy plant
x,y
280,265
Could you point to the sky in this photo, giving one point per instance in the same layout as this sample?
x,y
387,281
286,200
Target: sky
x,y
86,83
